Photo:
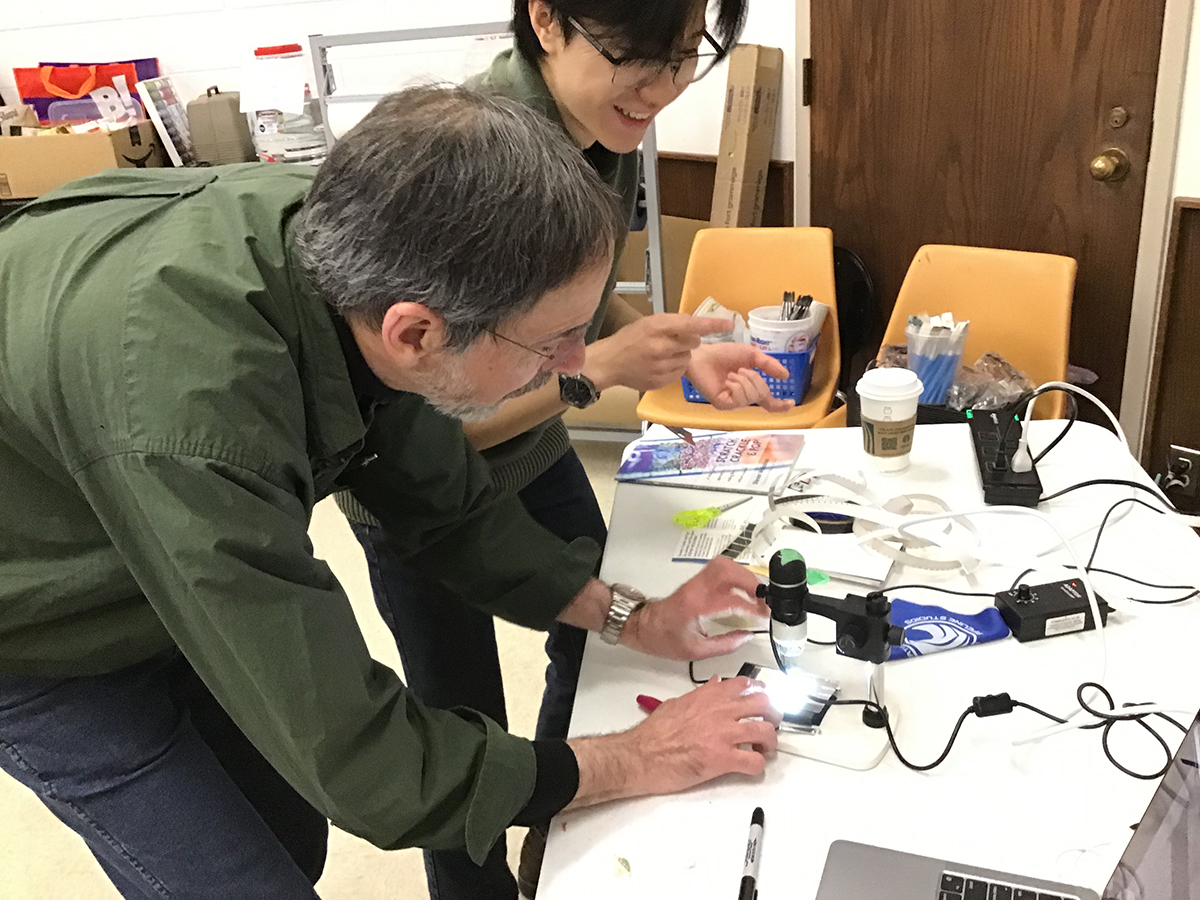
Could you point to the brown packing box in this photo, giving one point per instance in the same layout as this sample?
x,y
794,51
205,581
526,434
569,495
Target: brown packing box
x,y
747,134
33,164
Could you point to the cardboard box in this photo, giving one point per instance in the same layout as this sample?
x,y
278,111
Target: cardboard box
x,y
747,134
13,119
33,164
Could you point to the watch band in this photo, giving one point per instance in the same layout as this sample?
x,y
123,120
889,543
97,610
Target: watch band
x,y
625,602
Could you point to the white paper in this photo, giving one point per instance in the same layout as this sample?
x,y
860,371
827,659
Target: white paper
x,y
703,544
840,556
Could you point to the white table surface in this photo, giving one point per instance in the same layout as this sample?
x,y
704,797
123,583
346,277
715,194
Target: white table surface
x,y
1055,809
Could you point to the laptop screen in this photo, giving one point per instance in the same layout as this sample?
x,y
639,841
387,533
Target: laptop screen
x,y
1162,861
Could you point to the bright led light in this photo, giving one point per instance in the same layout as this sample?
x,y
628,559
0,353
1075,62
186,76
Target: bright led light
x,y
790,692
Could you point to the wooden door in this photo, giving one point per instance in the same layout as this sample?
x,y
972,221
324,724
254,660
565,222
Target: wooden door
x,y
974,122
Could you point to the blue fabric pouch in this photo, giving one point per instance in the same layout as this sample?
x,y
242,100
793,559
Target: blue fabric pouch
x,y
931,629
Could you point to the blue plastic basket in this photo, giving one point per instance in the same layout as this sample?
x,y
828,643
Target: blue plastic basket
x,y
794,387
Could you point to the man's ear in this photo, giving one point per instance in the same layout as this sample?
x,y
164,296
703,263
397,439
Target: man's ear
x,y
410,333
545,25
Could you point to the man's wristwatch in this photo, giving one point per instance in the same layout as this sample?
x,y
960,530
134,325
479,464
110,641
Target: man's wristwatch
x,y
625,602
577,391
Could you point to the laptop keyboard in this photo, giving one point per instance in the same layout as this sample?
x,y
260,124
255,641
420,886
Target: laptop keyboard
x,y
956,886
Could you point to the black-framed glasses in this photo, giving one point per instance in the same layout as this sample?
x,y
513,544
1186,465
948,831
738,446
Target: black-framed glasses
x,y
637,73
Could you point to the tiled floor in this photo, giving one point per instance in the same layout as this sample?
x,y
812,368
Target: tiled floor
x,y
41,860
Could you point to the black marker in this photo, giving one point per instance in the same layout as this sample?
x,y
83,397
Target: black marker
x,y
749,888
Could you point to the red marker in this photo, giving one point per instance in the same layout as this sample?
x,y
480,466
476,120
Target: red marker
x,y
649,704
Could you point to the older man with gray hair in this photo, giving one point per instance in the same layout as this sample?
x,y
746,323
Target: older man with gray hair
x,y
189,361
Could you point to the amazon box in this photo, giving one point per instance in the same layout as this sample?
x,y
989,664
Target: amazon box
x,y
33,164
747,135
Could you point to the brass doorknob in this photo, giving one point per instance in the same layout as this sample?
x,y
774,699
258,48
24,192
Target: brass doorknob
x,y
1111,165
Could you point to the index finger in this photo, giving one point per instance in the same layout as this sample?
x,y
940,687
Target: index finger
x,y
731,575
699,326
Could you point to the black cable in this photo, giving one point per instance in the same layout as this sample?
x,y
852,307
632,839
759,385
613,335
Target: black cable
x,y
1117,482
1149,584
1104,522
1192,591
887,725
1001,704
1107,719
1096,546
1040,712
1072,415
1110,717
1018,579
931,587
973,709
1023,402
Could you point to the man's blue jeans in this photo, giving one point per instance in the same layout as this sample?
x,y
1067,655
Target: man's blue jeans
x,y
168,794
448,650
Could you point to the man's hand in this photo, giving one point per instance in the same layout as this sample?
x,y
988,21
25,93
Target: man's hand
x,y
725,374
719,728
649,353
671,627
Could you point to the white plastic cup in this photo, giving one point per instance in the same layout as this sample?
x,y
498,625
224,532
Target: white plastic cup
x,y
888,404
773,335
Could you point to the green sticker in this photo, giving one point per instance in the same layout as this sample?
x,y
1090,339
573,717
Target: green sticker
x,y
693,518
816,578
789,555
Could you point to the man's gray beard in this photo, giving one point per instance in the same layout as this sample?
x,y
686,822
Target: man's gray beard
x,y
455,406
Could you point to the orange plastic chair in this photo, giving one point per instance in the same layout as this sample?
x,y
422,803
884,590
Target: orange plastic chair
x,y
1019,305
744,268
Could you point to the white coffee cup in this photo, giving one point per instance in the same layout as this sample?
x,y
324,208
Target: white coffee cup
x,y
888,405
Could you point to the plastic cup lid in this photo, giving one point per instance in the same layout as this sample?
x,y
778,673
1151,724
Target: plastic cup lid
x,y
890,384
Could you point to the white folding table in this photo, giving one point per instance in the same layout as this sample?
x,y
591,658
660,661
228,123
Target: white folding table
x,y
1055,809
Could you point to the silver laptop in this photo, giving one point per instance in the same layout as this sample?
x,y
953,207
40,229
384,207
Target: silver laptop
x,y
1162,861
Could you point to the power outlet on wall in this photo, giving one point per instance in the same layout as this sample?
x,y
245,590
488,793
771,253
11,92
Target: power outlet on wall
x,y
1186,463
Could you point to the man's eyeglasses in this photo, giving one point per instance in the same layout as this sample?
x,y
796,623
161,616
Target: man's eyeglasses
x,y
560,348
637,73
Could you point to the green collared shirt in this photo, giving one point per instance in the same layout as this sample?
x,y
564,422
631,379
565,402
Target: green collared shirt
x,y
174,399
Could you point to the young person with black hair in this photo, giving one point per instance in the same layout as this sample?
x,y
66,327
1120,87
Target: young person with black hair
x,y
601,70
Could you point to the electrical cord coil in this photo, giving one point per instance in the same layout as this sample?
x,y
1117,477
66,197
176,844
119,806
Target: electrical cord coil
x,y
1002,704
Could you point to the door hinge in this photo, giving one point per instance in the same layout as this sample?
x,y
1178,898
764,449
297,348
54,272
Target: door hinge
x,y
806,82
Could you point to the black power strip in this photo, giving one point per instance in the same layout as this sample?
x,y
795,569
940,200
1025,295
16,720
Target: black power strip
x,y
995,443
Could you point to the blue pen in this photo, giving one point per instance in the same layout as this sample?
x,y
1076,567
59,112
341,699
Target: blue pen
x,y
749,888
936,385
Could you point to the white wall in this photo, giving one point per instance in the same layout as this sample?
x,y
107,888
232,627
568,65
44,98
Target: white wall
x,y
1187,164
204,42
692,124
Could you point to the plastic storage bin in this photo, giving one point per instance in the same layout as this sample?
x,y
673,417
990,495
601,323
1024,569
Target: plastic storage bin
x,y
794,387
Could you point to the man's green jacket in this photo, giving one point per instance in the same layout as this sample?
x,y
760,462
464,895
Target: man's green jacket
x,y
174,399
